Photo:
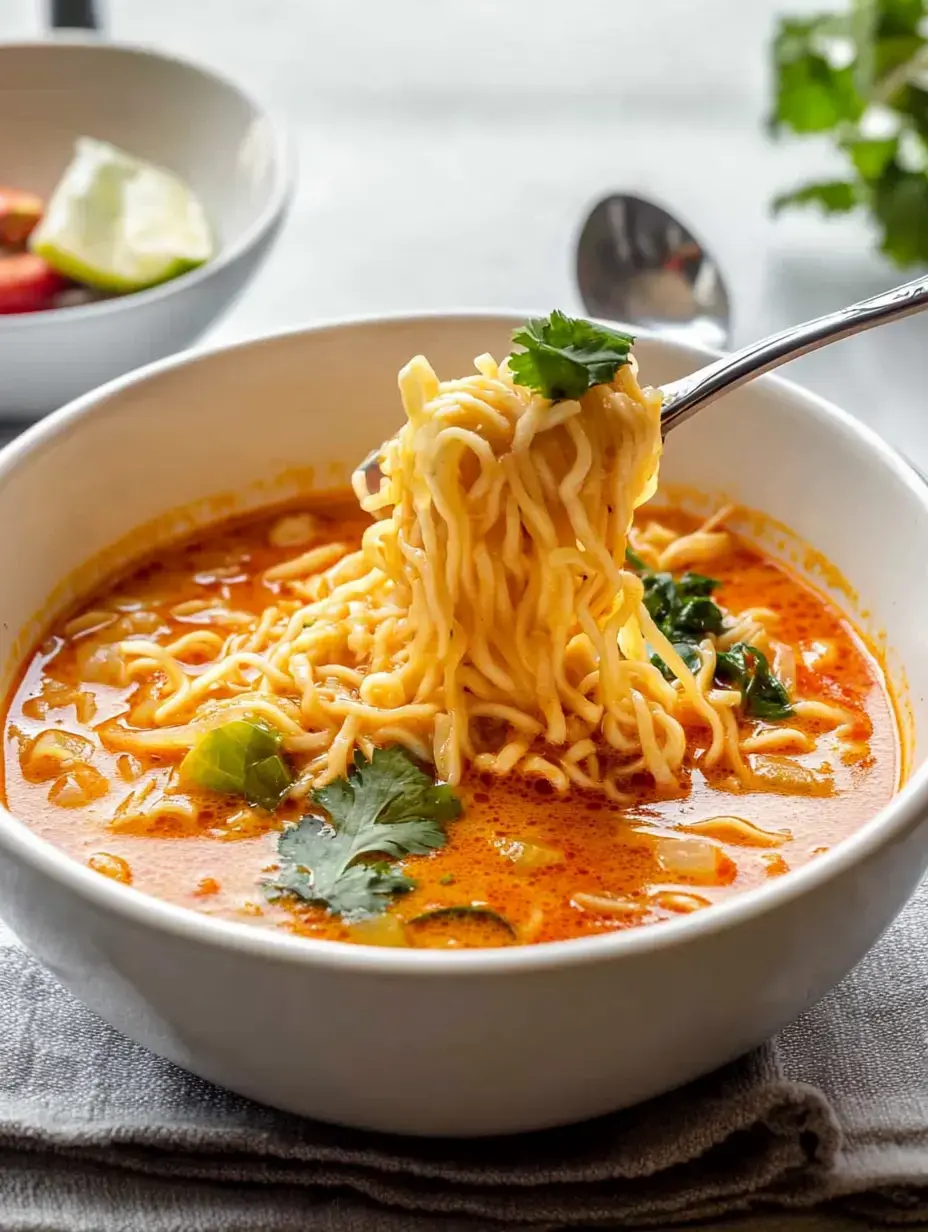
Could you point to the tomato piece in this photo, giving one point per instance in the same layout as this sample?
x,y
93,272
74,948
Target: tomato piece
x,y
27,283
20,212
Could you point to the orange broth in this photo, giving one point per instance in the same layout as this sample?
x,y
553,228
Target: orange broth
x,y
517,849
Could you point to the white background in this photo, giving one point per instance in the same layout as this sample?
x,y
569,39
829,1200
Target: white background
x,y
449,150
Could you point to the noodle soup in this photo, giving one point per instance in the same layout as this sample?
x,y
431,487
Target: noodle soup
x,y
527,859
502,698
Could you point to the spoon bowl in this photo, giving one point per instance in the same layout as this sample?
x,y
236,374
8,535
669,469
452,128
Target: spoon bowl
x,y
638,264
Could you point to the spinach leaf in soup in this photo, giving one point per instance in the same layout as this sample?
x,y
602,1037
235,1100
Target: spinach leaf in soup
x,y
687,652
682,608
746,667
684,611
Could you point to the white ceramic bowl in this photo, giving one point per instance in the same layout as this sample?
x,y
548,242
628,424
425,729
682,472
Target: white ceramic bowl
x,y
186,118
411,1040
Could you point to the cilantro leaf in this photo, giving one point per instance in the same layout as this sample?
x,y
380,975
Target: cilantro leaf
x,y
900,206
240,758
871,158
386,806
814,93
358,890
565,356
746,667
897,18
834,196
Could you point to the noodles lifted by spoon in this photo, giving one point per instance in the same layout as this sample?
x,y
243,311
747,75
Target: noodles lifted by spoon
x,y
489,617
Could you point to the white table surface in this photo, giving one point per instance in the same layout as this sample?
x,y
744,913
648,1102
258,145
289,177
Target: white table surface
x,y
449,149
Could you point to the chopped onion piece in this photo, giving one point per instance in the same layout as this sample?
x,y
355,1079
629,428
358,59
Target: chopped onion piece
x,y
111,866
81,785
378,930
292,531
694,858
679,901
102,663
527,856
134,624
51,752
784,775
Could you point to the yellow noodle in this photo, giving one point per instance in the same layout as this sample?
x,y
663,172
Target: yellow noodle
x,y
604,904
314,561
778,739
92,621
738,831
490,586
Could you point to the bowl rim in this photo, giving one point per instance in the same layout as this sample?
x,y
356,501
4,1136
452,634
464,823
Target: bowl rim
x,y
902,813
282,188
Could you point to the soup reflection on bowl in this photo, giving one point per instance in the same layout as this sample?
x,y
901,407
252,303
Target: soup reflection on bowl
x,y
519,748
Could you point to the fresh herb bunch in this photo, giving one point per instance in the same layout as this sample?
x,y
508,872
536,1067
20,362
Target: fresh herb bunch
x,y
862,76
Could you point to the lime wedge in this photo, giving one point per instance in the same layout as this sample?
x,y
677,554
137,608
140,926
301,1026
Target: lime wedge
x,y
120,224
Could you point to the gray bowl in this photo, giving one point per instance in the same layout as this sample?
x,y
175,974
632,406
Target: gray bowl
x,y
170,112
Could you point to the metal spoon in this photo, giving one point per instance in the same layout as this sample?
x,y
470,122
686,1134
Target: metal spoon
x,y
690,394
639,265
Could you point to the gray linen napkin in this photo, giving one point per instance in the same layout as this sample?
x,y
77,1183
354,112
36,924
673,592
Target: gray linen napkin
x,y
96,1134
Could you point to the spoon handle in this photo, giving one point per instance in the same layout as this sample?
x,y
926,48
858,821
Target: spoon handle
x,y
73,15
691,393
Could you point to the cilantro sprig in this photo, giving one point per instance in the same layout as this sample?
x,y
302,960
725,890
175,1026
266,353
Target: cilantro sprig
x,y
386,807
862,76
565,356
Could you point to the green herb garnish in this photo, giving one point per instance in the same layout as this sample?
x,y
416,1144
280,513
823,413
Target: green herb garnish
x,y
565,356
241,758
682,609
860,76
746,667
386,806
687,651
684,612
